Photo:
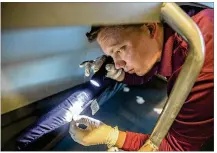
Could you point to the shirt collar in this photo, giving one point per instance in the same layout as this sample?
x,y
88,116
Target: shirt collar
x,y
165,65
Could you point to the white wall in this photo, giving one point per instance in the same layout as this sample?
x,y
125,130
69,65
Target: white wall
x,y
37,63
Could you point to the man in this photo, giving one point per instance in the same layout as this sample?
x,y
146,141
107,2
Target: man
x,y
148,49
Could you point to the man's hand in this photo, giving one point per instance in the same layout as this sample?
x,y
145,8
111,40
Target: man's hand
x,y
95,133
115,74
95,65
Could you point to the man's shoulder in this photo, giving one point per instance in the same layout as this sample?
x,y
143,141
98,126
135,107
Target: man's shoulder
x,y
204,17
207,13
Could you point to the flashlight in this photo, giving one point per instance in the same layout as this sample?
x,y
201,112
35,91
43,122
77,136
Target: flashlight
x,y
100,76
79,98
95,83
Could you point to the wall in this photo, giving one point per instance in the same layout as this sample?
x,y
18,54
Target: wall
x,y
42,61
37,63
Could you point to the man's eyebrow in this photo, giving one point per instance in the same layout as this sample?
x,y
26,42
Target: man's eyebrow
x,y
114,44
111,47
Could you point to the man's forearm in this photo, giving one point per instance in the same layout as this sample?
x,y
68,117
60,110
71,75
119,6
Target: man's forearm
x,y
131,141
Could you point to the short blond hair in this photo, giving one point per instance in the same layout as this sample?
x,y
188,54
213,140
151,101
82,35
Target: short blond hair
x,y
92,35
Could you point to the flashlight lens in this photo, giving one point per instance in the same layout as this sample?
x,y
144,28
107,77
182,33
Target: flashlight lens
x,y
94,83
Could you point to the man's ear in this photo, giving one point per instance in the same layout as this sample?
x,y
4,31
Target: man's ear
x,y
153,29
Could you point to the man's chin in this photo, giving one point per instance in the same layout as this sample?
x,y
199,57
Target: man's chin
x,y
139,73
130,72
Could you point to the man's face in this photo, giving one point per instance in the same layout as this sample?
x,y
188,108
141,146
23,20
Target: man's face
x,y
133,50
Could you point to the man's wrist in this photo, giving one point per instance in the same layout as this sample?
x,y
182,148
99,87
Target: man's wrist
x,y
121,139
112,137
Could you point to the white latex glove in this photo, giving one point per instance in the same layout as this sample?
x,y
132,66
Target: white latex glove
x,y
113,73
96,132
95,65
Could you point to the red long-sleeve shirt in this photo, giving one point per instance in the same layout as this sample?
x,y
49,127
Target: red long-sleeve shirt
x,y
194,124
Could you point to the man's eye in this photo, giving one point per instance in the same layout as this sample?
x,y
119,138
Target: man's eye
x,y
121,49
118,52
